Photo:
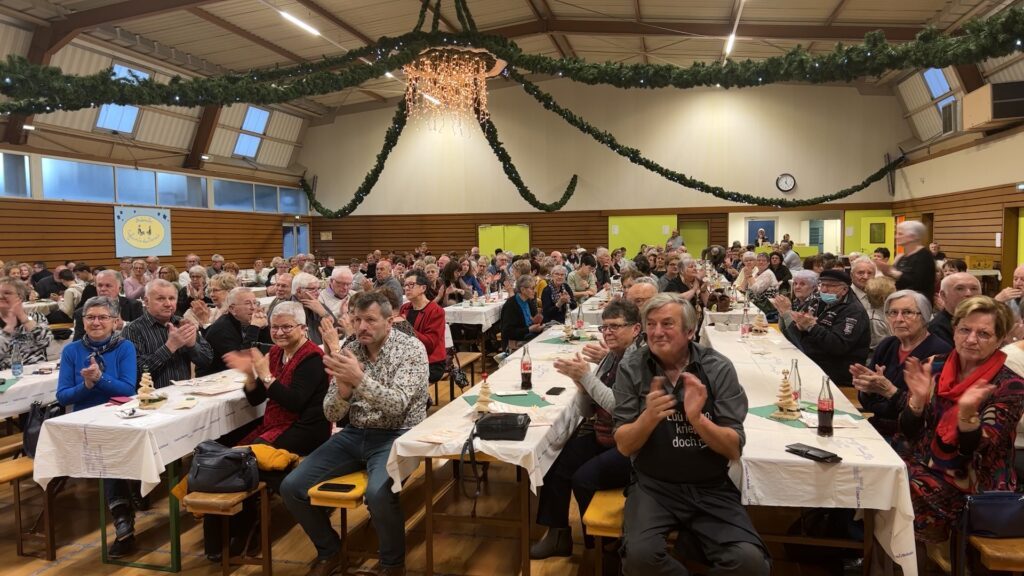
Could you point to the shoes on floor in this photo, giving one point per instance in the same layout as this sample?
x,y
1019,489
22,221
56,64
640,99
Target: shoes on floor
x,y
122,548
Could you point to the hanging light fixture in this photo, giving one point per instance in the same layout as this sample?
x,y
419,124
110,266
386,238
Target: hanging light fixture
x,y
449,85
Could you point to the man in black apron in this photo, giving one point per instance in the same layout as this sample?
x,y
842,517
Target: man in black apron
x,y
679,412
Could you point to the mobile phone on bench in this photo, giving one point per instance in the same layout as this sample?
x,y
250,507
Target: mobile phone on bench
x,y
337,487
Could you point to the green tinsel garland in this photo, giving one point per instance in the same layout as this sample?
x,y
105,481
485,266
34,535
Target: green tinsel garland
x,y
635,156
390,140
37,89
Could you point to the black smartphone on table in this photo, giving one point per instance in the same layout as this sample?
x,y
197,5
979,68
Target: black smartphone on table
x,y
556,390
812,453
337,487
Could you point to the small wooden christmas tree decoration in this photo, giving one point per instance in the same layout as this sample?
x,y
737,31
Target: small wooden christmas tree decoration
x,y
148,397
789,408
483,400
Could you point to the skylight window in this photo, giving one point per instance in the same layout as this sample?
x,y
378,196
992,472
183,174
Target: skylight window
x,y
115,117
253,126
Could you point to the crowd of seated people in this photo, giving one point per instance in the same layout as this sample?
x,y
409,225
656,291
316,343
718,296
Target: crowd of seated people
x,y
358,344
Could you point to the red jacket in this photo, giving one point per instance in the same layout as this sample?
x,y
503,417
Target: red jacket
x,y
429,328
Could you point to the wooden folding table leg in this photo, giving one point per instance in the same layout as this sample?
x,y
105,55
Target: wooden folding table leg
x,y
428,478
225,546
19,535
869,540
599,555
48,527
524,521
265,544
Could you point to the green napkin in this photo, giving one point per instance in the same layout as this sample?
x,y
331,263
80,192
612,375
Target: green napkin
x,y
523,400
767,411
6,383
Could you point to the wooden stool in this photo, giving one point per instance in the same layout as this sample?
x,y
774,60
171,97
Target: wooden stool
x,y
14,471
1004,554
227,505
343,501
603,519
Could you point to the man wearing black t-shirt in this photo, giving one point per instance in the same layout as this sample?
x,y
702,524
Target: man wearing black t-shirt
x,y
679,412
915,269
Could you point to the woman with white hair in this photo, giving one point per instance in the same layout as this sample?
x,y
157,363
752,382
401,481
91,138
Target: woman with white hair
x,y
195,290
804,297
915,268
29,329
748,272
202,315
880,386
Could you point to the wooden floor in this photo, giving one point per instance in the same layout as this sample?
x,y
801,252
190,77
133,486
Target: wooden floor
x,y
459,549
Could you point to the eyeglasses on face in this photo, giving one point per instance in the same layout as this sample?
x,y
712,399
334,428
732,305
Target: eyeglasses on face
x,y
606,328
982,335
410,285
99,318
908,314
284,328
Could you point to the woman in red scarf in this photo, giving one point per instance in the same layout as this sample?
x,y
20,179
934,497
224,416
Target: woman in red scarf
x,y
292,381
959,423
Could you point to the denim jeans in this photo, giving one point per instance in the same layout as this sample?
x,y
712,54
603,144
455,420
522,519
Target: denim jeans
x,y
348,451
119,492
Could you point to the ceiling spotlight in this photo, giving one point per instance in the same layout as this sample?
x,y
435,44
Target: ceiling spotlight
x,y
389,75
729,43
205,156
28,127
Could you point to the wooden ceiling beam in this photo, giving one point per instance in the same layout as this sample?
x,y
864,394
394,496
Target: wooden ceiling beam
x,y
263,42
444,20
643,41
836,12
334,19
204,137
708,30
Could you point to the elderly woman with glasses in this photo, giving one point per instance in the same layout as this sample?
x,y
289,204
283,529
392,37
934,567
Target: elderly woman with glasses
x,y
880,386
29,329
202,315
292,381
194,291
957,428
557,299
135,283
519,319
100,365
427,320
588,462
804,297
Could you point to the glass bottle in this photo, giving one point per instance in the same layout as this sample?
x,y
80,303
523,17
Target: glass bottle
x,y
17,362
794,379
826,408
526,369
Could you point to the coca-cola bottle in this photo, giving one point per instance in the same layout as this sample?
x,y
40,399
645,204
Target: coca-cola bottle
x,y
826,408
526,369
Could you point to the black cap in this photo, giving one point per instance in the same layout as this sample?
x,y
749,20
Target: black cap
x,y
835,275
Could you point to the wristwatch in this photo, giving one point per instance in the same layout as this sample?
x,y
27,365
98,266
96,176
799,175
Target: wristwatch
x,y
975,419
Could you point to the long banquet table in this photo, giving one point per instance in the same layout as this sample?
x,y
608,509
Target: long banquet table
x,y
871,476
29,388
443,433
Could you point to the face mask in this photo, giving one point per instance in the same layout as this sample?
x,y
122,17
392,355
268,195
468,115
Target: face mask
x,y
828,298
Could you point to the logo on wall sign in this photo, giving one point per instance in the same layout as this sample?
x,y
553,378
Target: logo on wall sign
x,y
143,232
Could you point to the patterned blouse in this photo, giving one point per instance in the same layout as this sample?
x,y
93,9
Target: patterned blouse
x,y
393,393
33,342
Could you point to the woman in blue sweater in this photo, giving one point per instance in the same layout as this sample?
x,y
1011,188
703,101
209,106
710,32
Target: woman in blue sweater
x,y
101,364
92,370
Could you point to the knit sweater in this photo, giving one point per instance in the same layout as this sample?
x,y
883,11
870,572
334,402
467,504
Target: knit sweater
x,y
118,377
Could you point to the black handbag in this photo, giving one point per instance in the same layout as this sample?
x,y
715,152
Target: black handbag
x,y
33,424
990,515
219,469
502,426
455,373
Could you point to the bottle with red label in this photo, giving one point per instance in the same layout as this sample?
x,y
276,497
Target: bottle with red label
x,y
526,369
826,408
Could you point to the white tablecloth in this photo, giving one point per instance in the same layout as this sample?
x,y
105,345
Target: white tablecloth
x,y
95,443
30,388
484,316
871,475
535,453
265,301
259,291
43,306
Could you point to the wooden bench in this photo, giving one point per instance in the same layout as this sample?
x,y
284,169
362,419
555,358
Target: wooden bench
x,y
10,445
603,519
14,471
227,505
1003,554
343,501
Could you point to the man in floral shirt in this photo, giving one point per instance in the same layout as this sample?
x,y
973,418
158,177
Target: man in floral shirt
x,y
380,382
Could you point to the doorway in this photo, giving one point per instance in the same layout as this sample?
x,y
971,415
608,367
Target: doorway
x,y
294,239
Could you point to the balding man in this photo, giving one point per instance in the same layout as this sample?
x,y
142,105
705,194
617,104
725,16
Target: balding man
x,y
190,261
108,284
1012,296
861,272
643,290
339,288
282,291
603,271
216,266
152,267
954,289
385,279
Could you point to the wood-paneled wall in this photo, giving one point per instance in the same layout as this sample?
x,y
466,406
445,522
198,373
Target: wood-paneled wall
x,y
967,223
354,236
33,230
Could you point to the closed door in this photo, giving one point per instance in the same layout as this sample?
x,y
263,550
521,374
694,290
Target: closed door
x,y
816,234
294,239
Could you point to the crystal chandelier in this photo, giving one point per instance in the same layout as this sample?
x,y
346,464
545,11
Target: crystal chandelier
x,y
450,85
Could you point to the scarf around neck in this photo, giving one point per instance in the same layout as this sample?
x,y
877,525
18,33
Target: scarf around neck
x,y
951,389
98,349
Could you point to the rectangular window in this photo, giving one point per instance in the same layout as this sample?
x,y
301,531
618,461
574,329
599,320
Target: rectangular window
x,y
68,180
231,195
14,176
118,118
294,201
253,126
266,198
135,186
181,190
